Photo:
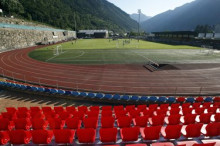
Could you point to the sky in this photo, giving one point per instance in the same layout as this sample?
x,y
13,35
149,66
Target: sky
x,y
148,7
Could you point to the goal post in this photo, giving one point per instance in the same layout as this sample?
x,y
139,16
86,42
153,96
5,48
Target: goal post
x,y
58,50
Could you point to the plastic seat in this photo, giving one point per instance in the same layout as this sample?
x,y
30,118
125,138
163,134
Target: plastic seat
x,y
206,144
9,116
83,108
118,108
162,111
124,122
149,112
174,111
37,115
153,106
20,114
162,99
58,109
19,137
130,134
199,99
217,103
106,108
196,105
212,129
6,124
152,99
141,121
35,109
56,123
193,130
164,106
94,108
212,109
11,110
135,145
79,114
23,109
130,107
134,113
42,136
108,134
70,109
157,120
120,113
106,113
65,115
51,114
93,114
142,107
186,105
171,99
217,117
181,99
208,99
199,110
175,105
38,124
205,118
189,119
173,119
162,144
73,123
64,136
171,131
206,104
90,122
190,99
186,111
22,123
47,109
86,135
151,133
4,137
107,122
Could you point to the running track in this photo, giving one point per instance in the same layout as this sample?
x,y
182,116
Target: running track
x,y
122,78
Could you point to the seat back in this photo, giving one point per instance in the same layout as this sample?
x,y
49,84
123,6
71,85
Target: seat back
x,y
175,105
106,113
134,113
4,137
189,119
64,115
124,122
158,120
173,131
148,112
58,109
205,118
193,130
174,111
130,134
213,129
73,123
86,135
4,124
130,107
153,106
141,121
70,109
42,136
217,117
91,122
174,119
186,111
83,109
20,137
107,122
38,123
108,134
64,135
141,107
152,133
56,123
22,123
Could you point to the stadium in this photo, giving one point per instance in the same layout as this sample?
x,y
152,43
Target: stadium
x,y
60,87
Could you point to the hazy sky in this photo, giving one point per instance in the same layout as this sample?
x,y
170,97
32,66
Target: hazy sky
x,y
148,7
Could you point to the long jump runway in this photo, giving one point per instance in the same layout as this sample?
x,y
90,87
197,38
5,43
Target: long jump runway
x,y
185,79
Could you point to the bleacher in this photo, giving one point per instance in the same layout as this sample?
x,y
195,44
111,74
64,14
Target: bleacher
x,y
185,124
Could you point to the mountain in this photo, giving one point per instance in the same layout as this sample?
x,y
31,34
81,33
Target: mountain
x,y
143,17
186,17
89,14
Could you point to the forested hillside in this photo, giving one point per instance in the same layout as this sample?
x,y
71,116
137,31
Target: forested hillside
x,y
89,14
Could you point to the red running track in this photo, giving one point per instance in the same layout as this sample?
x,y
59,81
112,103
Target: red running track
x,y
120,78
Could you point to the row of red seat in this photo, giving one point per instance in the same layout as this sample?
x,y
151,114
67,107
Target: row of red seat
x,y
88,135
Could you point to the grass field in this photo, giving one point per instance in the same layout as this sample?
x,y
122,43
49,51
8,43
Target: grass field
x,y
105,51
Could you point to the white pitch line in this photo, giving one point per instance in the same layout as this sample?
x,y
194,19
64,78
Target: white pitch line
x,y
55,56
82,53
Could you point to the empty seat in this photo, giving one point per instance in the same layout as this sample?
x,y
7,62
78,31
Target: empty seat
x,y
47,109
108,134
212,129
107,122
64,136
93,114
157,120
39,124
151,133
130,134
4,137
171,131
148,112
58,109
164,106
181,99
37,115
79,114
23,109
206,104
196,105
120,113
20,137
11,110
70,109
86,135
134,113
130,107
141,121
186,111
94,108
142,107
206,144
199,110
199,99
175,105
6,124
22,123
42,136
56,123
65,115
83,109
162,111
186,105
20,114
73,123
205,118
90,122
9,116
106,113
193,130
124,122
153,106
212,109
106,108
217,117
35,109
189,119
51,114
173,119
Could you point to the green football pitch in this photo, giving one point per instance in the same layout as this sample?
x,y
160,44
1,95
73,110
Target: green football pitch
x,y
123,51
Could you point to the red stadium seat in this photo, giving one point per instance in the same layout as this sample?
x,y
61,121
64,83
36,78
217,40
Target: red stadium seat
x,y
186,111
83,108
212,129
90,122
42,136
130,107
193,130
4,137
79,114
56,123
207,144
173,119
11,110
217,103
9,116
196,105
212,109
73,123
38,115
118,108
217,117
164,106
19,137
205,118
22,114
175,105
86,135
38,124
106,113
107,122
6,124
141,121
186,105
130,134
51,114
171,131
94,113
65,115
58,109
181,99
149,112
106,108
35,109
47,109
94,108
124,122
206,104
64,136
189,119
134,113
157,120
174,111
70,109
23,109
22,123
199,110
199,99
151,133
108,134
153,106
120,113
162,111
142,107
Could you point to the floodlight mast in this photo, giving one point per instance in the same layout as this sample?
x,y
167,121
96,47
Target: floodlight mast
x,y
139,17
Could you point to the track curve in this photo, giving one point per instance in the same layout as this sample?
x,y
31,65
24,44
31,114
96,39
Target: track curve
x,y
115,78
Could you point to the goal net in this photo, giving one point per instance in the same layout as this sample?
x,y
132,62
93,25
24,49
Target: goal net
x,y
58,50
